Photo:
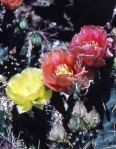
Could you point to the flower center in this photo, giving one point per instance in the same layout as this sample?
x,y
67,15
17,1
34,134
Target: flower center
x,y
28,88
93,43
63,69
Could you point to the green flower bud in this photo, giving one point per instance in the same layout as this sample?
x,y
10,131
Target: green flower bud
x,y
114,65
17,30
76,123
23,24
36,40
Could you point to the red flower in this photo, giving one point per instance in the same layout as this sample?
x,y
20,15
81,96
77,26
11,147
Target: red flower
x,y
11,4
61,71
91,46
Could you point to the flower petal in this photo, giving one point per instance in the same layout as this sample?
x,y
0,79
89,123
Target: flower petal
x,y
91,45
47,95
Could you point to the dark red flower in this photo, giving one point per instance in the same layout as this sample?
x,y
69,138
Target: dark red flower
x,y
61,71
91,46
11,4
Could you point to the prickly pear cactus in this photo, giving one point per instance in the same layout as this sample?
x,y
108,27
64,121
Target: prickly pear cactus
x,y
106,137
81,110
3,121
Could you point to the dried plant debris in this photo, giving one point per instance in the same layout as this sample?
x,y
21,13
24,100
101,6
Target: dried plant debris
x,y
10,141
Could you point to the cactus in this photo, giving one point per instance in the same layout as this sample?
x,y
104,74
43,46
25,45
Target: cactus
x,y
106,137
72,121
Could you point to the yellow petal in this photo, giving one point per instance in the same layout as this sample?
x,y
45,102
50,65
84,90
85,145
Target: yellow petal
x,y
24,108
33,96
39,106
45,98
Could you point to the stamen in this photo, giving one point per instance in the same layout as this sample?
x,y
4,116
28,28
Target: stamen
x,y
93,43
63,69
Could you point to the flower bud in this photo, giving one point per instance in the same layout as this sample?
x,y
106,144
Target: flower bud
x,y
114,65
36,40
76,123
81,119
57,133
79,109
23,24
92,118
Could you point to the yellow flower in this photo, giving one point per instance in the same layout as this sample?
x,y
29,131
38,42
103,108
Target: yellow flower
x,y
27,89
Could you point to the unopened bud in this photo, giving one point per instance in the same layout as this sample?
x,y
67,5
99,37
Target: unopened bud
x,y
79,109
76,123
92,118
57,133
